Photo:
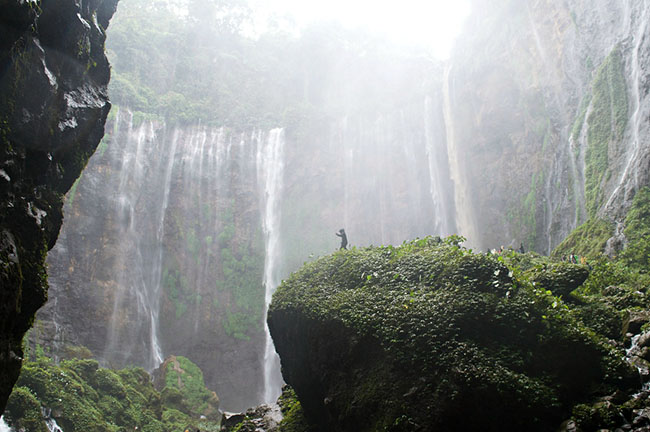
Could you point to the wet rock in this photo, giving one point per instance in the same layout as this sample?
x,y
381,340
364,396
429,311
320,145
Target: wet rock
x,y
568,426
636,320
263,418
52,111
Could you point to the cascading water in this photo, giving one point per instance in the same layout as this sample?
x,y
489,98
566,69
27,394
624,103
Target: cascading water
x,y
629,177
165,254
4,427
270,172
464,211
139,283
440,186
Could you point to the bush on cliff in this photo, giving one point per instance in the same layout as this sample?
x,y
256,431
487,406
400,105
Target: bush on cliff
x,y
429,336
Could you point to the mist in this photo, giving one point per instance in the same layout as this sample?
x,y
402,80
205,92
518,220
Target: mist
x,y
243,136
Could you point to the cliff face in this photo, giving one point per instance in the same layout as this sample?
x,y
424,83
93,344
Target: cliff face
x,y
162,252
52,112
551,100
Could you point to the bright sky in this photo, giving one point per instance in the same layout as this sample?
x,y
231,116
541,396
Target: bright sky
x,y
435,23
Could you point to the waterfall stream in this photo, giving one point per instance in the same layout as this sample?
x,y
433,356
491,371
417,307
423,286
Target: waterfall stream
x,y
464,212
270,172
3,425
628,178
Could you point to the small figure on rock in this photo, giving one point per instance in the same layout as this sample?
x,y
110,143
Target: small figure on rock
x,y
521,248
344,238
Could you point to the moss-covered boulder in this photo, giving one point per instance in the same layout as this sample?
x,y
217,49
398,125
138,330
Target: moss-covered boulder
x,y
560,278
81,396
182,387
430,336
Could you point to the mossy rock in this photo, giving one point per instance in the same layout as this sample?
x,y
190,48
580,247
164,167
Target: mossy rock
x,y
429,336
24,411
559,278
84,397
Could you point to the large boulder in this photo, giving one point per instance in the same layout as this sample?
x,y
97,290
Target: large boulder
x,y
53,105
429,336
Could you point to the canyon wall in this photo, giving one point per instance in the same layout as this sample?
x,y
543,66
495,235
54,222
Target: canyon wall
x,y
52,111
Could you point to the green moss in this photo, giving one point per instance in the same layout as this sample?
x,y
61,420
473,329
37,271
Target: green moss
x,y
523,216
85,397
637,231
588,240
607,121
24,411
184,380
449,327
576,130
293,415
242,267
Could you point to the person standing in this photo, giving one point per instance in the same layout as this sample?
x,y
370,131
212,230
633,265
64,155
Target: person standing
x,y
344,238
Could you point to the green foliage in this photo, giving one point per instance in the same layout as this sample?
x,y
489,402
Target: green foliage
x,y
24,411
242,269
72,192
588,240
607,121
523,216
576,130
471,330
294,417
184,385
637,231
84,397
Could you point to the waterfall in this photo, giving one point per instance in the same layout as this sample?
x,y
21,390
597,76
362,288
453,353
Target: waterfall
x,y
439,185
629,176
3,426
51,424
140,259
270,172
464,211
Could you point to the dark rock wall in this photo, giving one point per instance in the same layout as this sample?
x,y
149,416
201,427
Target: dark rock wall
x,y
53,77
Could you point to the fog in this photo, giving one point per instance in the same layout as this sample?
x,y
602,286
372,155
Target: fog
x,y
245,135
432,24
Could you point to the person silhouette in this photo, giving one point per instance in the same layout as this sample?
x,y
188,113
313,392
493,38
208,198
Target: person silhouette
x,y
344,238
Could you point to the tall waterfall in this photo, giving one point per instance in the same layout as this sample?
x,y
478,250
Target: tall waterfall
x,y
141,286
638,36
163,252
464,210
270,172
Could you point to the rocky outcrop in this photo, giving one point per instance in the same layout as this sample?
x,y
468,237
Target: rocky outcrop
x,y
52,112
429,336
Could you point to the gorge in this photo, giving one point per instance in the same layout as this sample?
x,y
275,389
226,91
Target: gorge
x,y
227,162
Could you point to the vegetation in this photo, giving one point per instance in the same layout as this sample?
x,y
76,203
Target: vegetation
x,y
242,268
636,255
82,396
606,121
456,326
588,240
193,64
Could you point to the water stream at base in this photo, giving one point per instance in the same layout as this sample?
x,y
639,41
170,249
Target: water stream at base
x,y
4,427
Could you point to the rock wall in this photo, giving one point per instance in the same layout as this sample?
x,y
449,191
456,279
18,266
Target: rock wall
x,y
52,112
550,99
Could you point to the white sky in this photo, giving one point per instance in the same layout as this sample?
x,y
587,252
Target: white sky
x,y
433,23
